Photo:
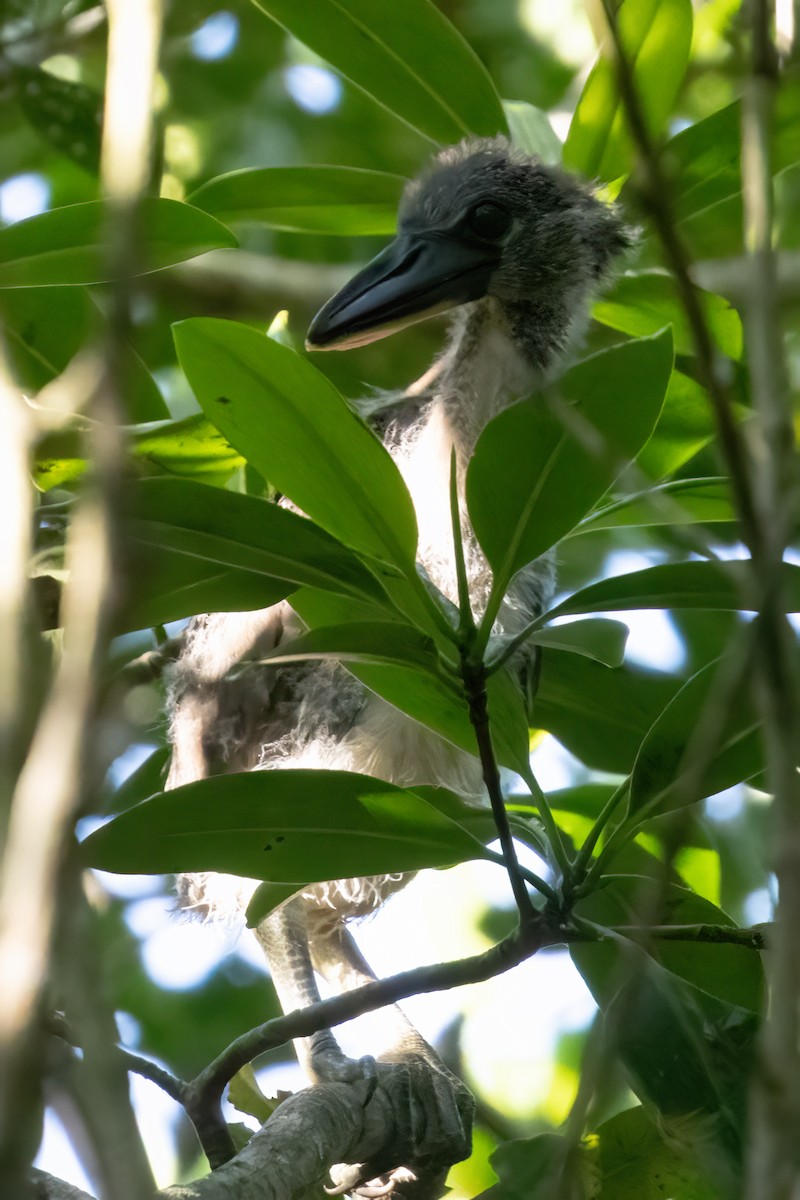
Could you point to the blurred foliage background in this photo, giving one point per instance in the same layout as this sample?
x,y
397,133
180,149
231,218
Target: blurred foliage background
x,y
237,91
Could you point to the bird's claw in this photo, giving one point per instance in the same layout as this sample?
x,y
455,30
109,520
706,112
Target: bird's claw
x,y
433,1114
330,1064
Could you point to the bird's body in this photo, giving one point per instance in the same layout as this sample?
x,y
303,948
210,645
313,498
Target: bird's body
x,y
519,248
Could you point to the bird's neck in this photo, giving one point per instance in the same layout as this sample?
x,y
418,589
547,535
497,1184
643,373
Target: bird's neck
x,y
497,353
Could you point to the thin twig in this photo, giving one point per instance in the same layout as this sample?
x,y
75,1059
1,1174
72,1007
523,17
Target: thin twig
x,y
474,679
772,1166
57,1024
655,193
508,953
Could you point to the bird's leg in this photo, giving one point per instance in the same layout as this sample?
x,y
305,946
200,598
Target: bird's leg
x,y
284,938
434,1110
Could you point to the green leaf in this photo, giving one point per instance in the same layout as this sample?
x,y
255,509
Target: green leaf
x,y
293,426
207,531
637,1158
413,62
339,200
295,826
604,641
730,972
167,587
543,1167
476,817
141,783
599,713
67,114
585,800
45,327
665,776
68,245
530,129
362,642
685,1051
191,447
319,609
643,302
429,696
718,585
508,721
684,502
557,465
266,898
246,1096
656,36
685,426
705,158
705,171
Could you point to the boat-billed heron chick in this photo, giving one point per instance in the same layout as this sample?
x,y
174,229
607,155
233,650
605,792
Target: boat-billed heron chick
x,y
516,250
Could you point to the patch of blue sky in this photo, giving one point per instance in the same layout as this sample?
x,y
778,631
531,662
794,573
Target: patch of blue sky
x,y
216,37
313,88
23,196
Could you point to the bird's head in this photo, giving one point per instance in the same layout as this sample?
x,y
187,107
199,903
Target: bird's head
x,y
483,220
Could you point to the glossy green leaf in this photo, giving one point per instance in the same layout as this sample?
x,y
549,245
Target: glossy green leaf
x,y
246,1096
599,713
530,129
685,1051
508,721
361,642
704,159
476,817
191,447
441,706
168,587
428,696
718,585
266,898
320,608
636,1159
730,972
643,302
225,529
293,426
685,426
656,36
142,782
338,200
543,1167
585,800
293,826
602,640
684,502
45,327
413,61
672,771
68,246
557,464
705,171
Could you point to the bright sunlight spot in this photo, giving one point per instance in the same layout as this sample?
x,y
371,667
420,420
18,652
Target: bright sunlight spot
x,y
313,88
57,1155
216,37
758,907
23,196
564,27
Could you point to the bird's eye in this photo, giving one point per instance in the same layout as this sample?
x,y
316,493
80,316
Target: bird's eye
x,y
489,220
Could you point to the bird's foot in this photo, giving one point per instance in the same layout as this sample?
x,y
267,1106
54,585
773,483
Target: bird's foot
x,y
329,1063
432,1115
